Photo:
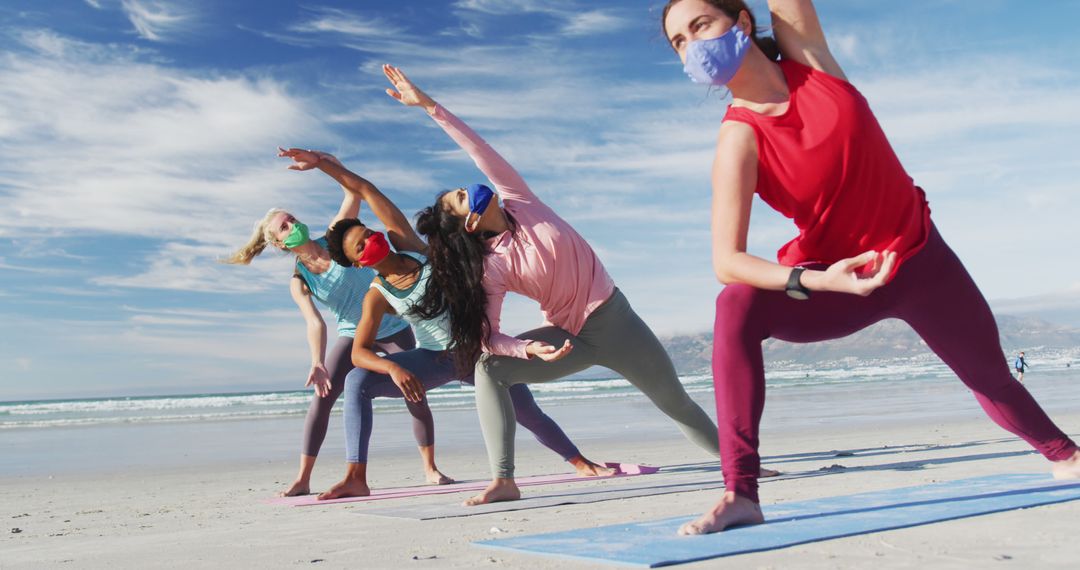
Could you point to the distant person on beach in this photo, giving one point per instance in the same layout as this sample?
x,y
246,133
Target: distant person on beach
x,y
317,277
1020,365
802,138
402,278
480,251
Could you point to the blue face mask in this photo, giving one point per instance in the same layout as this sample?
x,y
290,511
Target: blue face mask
x,y
715,61
479,198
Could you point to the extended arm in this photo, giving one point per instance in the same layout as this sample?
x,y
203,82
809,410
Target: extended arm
x,y
734,181
358,189
316,335
507,181
375,306
398,229
800,36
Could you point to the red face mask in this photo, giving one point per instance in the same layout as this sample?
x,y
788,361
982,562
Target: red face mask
x,y
376,248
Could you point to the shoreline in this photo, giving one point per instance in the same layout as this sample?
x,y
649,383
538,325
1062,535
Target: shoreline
x,y
182,495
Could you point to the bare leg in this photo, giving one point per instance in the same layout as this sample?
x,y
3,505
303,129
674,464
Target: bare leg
x,y
732,510
353,485
431,472
302,485
500,489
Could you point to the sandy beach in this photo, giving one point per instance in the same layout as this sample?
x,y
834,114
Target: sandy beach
x,y
192,495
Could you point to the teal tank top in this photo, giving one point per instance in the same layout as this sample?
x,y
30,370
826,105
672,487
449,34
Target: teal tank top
x,y
342,290
431,334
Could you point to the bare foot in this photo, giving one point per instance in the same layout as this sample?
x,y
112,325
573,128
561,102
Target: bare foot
x,y
1068,469
764,472
732,510
346,488
586,468
436,477
296,489
498,490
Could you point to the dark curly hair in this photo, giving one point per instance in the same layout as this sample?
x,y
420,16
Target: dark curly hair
x,y
456,285
335,240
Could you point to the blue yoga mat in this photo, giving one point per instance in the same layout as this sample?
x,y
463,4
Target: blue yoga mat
x,y
656,543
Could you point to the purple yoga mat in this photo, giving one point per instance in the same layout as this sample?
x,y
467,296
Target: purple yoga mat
x,y
621,470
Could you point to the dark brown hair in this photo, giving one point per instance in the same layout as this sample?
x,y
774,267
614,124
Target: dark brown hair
x,y
456,285
767,44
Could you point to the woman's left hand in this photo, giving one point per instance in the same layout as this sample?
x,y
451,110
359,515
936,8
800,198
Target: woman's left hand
x,y
860,275
405,91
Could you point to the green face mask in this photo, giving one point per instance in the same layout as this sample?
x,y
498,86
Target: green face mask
x,y
298,236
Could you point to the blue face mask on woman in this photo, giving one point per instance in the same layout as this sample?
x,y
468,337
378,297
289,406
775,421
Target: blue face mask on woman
x,y
479,198
715,61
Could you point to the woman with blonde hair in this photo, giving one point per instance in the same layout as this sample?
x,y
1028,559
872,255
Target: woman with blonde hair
x,y
341,290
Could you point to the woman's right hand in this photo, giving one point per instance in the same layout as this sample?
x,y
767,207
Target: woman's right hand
x,y
410,387
860,275
307,159
320,379
546,352
406,92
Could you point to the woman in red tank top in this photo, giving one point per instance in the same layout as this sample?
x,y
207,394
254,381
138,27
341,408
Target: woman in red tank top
x,y
805,140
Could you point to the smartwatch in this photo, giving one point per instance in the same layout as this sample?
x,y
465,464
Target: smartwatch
x,y
795,288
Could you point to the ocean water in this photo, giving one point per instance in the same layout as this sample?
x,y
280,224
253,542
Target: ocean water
x,y
30,415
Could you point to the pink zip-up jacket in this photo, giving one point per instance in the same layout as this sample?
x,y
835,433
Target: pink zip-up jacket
x,y
543,259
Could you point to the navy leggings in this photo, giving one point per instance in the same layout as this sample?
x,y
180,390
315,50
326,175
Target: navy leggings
x,y
338,365
433,369
932,292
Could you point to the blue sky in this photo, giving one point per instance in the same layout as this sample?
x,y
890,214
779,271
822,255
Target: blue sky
x,y
138,143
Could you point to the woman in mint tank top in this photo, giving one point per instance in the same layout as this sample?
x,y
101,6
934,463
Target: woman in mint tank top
x,y
341,290
402,279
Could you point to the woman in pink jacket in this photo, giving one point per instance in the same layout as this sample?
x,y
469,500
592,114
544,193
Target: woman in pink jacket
x,y
479,251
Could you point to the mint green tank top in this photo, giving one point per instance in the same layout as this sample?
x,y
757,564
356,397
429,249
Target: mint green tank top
x,y
431,334
342,290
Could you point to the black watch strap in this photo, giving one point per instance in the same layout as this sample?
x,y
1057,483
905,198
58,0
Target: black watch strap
x,y
795,288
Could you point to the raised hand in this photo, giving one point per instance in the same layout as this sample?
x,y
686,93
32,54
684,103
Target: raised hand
x,y
404,90
410,387
302,159
546,352
859,275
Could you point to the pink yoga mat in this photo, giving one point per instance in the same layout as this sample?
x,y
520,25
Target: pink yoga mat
x,y
621,470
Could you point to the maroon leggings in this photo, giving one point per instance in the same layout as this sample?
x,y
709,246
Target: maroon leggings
x,y
932,292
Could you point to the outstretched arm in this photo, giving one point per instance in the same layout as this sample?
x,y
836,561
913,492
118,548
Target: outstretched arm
x,y
375,306
734,181
359,189
507,181
800,36
318,377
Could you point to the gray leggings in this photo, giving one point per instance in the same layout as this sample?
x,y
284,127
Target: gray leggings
x,y
338,365
613,337
433,369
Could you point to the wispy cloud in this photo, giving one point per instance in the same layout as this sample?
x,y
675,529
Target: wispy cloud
x,y
146,151
337,21
594,22
574,19
156,20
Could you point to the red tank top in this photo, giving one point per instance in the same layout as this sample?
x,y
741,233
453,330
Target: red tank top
x,y
826,164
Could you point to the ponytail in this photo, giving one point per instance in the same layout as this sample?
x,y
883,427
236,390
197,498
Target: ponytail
x,y
258,242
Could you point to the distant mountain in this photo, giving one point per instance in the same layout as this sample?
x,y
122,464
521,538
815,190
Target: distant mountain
x,y
887,340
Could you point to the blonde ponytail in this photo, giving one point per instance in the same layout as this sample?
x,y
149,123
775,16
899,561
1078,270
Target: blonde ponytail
x,y
260,238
